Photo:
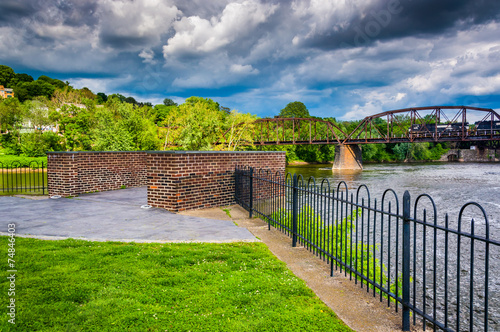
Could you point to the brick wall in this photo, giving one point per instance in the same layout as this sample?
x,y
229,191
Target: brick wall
x,y
73,173
183,180
176,180
62,174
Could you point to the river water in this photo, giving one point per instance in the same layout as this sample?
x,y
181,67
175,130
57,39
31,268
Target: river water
x,y
451,185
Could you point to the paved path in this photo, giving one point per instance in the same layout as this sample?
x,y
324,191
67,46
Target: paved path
x,y
112,216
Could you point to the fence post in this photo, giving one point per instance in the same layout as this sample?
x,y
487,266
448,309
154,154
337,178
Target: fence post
x,y
251,193
406,261
295,209
43,181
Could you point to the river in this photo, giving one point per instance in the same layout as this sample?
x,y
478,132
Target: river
x,y
451,185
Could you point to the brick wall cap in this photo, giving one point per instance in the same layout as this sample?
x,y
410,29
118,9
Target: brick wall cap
x,y
82,152
163,152
214,152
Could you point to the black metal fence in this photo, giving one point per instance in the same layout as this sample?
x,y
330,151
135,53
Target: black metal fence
x,y
17,178
445,274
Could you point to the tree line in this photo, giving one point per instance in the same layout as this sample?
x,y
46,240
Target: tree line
x,y
50,115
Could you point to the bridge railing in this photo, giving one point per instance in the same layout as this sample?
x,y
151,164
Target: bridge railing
x,y
446,274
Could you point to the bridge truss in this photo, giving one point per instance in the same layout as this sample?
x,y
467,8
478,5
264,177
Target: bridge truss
x,y
420,124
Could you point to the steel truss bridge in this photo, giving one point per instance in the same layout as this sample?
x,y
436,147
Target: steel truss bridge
x,y
419,124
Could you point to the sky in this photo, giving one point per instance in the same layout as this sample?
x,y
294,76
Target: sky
x,y
343,59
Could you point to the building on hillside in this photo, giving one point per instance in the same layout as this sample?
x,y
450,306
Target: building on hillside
x,y
6,93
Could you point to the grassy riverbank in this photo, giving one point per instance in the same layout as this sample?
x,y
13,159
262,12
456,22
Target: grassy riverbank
x,y
90,286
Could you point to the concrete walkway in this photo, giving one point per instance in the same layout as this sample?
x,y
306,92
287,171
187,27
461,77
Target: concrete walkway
x,y
112,216
358,309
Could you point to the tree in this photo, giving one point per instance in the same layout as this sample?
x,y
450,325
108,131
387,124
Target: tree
x,y
110,134
101,98
131,100
295,109
30,90
162,112
202,123
169,102
238,128
37,112
68,95
11,114
117,95
20,78
76,125
86,93
6,75
52,81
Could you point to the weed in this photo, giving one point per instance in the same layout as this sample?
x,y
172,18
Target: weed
x,y
228,212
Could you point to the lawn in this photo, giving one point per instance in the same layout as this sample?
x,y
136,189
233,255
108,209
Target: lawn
x,y
75,285
21,161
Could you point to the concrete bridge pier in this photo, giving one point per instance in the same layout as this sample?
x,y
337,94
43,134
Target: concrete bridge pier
x,y
348,156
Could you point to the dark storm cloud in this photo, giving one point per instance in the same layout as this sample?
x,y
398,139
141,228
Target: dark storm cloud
x,y
78,13
401,18
122,42
27,12
11,11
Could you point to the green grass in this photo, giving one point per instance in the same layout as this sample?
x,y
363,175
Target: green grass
x,y
74,285
7,160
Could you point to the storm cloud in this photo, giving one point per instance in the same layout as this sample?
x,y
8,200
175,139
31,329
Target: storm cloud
x,y
341,58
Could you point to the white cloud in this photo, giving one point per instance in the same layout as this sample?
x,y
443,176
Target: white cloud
x,y
138,22
195,35
148,55
106,85
243,69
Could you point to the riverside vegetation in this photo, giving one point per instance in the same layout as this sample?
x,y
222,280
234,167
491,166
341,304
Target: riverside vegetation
x,y
336,240
50,115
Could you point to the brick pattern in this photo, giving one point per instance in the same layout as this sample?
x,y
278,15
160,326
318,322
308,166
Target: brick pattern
x,y
71,174
62,174
188,181
176,181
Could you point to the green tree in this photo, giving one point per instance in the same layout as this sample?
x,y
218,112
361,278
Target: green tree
x,y
162,112
37,113
134,124
295,109
401,151
131,100
110,134
101,98
11,114
169,102
202,123
238,129
20,78
76,125
7,74
376,152
52,81
30,90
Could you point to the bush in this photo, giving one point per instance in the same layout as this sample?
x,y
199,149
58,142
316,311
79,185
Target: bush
x,y
10,143
31,144
21,161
